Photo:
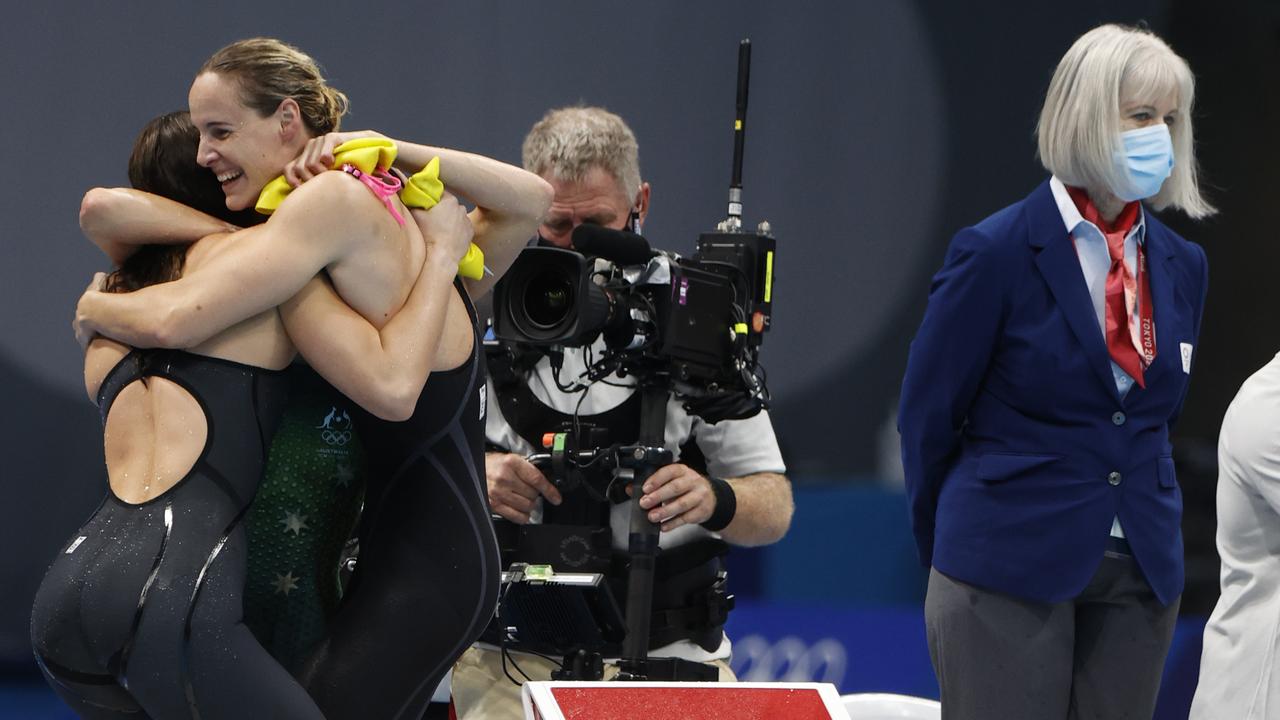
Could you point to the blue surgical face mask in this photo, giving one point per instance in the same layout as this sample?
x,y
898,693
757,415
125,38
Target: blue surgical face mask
x,y
1144,162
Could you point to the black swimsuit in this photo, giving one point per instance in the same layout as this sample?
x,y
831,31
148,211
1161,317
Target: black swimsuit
x,y
140,614
427,579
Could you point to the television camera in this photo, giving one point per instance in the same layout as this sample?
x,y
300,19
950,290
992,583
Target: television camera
x,y
692,327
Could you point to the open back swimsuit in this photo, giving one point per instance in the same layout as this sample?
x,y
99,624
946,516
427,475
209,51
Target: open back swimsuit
x,y
140,614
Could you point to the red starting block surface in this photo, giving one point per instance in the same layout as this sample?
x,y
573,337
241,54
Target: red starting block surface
x,y
681,701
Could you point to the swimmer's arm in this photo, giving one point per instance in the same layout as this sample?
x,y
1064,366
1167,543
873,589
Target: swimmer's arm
x,y
259,269
510,202
120,220
384,370
100,357
100,354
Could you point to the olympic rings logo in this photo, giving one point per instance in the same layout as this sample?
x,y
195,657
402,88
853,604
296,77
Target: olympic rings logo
x,y
790,659
335,419
339,438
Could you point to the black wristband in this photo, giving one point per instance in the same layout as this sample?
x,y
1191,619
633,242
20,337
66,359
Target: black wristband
x,y
726,505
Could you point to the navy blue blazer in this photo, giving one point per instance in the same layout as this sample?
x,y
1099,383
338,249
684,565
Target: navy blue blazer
x,y
1018,449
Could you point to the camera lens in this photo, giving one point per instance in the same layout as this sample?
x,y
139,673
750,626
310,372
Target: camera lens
x,y
548,297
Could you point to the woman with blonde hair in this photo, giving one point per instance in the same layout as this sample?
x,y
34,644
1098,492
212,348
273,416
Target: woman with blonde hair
x,y
336,254
140,614
1052,362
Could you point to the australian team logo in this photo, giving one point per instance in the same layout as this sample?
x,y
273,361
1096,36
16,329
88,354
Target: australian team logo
x,y
336,428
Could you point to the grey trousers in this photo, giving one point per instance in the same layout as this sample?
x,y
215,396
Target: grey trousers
x,y
1098,656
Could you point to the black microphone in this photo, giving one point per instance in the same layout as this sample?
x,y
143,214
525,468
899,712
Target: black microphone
x,y
620,246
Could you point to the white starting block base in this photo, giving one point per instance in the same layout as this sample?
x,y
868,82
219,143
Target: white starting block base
x,y
681,701
886,706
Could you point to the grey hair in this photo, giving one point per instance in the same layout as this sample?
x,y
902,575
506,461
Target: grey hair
x,y
567,142
1080,124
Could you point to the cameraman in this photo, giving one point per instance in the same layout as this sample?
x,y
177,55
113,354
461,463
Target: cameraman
x,y
725,486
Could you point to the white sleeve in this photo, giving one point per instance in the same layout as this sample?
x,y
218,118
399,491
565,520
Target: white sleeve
x,y
496,428
734,448
1249,443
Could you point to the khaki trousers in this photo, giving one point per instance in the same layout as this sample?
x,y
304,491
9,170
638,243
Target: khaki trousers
x,y
481,691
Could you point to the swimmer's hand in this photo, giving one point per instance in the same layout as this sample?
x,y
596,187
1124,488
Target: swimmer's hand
x,y
317,155
84,329
447,231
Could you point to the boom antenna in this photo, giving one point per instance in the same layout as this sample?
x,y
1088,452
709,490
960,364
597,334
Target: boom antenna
x,y
733,223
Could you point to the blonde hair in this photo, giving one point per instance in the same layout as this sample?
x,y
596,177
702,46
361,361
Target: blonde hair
x,y
1079,128
567,142
268,71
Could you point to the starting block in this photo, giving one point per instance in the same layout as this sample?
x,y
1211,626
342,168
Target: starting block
x,y
681,701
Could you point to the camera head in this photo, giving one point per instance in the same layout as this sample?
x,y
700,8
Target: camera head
x,y
552,296
694,323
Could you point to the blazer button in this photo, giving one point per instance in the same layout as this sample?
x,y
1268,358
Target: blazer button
x,y
1117,419
1114,478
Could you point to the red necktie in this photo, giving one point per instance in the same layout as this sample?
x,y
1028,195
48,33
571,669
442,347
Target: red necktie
x,y
1121,289
1119,339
